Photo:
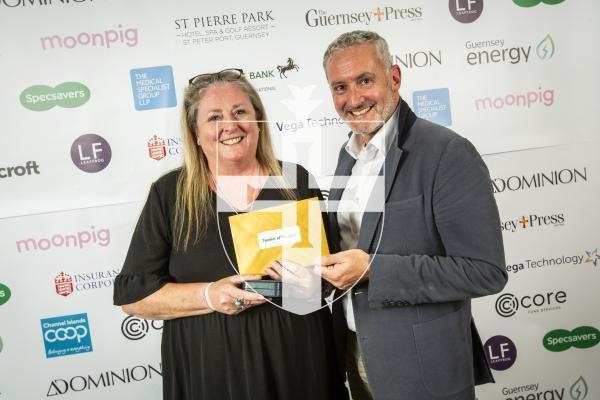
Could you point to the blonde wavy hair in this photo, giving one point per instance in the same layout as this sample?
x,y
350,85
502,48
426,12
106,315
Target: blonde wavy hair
x,y
194,207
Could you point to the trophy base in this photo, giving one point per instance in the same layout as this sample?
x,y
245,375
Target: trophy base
x,y
267,288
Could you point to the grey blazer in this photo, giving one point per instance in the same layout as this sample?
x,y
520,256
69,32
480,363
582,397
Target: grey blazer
x,y
437,245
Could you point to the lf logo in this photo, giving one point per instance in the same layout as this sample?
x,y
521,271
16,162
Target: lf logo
x,y
91,153
501,352
465,11
134,328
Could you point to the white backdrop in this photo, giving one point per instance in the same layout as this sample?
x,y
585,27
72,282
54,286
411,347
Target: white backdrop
x,y
520,82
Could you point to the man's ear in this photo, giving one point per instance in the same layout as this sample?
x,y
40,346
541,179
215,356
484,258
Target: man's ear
x,y
396,77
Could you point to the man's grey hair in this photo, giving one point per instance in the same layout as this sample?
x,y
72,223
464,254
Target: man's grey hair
x,y
359,37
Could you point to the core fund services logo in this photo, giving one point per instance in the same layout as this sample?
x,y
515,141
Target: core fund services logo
x,y
66,335
507,304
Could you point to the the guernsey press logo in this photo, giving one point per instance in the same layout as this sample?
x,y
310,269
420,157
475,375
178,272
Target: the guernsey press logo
x,y
319,17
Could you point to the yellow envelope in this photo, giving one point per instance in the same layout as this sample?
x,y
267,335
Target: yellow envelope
x,y
292,231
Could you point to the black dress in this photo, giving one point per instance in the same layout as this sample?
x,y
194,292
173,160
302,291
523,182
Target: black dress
x,y
262,353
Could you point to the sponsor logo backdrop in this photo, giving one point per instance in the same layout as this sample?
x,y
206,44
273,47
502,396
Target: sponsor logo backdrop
x,y
91,117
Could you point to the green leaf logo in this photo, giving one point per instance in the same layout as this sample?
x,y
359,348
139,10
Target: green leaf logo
x,y
579,389
4,294
67,95
582,338
545,49
531,3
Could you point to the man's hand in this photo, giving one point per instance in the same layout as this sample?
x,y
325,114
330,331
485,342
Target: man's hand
x,y
345,268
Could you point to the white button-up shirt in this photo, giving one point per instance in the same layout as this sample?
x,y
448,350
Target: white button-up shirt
x,y
359,187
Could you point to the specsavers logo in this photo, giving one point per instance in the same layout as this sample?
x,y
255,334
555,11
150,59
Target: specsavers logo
x,y
582,337
66,95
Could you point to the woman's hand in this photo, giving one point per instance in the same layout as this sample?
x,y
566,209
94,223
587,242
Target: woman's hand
x,y
226,297
298,282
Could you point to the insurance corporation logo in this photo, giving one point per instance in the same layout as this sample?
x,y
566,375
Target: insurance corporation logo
x,y
73,240
536,391
65,284
316,18
465,11
582,337
5,294
501,352
108,38
153,87
532,3
134,328
497,51
565,176
507,304
159,148
66,95
104,379
197,29
91,153
433,105
66,335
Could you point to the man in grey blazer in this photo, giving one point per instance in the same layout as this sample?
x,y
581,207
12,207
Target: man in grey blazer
x,y
405,328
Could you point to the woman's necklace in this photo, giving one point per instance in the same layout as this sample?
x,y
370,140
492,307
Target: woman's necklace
x,y
254,189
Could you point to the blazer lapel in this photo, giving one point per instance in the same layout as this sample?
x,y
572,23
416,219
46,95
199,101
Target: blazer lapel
x,y
342,172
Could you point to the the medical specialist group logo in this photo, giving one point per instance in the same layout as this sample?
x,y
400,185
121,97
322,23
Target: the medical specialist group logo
x,y
39,3
538,180
65,95
134,328
494,51
533,221
30,167
65,284
507,304
66,335
465,11
159,148
433,105
104,379
418,59
153,87
535,391
108,38
540,98
5,294
501,352
223,28
315,18
532,3
91,153
78,240
582,337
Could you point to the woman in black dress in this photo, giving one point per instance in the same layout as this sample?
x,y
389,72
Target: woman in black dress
x,y
219,341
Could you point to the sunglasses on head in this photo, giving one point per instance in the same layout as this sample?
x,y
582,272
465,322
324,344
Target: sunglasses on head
x,y
230,74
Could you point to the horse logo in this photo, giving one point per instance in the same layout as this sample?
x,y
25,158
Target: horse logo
x,y
283,68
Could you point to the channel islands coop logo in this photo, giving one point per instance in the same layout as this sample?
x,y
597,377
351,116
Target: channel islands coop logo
x,y
66,335
66,95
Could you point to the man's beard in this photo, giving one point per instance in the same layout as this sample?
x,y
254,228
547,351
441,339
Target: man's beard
x,y
371,127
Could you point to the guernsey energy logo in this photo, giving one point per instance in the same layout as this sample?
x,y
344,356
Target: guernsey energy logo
x,y
66,95
582,337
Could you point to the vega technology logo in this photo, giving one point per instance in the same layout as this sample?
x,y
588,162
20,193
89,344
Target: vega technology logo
x,y
507,304
532,3
66,95
582,337
91,153
592,257
66,335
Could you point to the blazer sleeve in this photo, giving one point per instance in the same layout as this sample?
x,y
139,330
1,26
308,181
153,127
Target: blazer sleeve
x,y
466,218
